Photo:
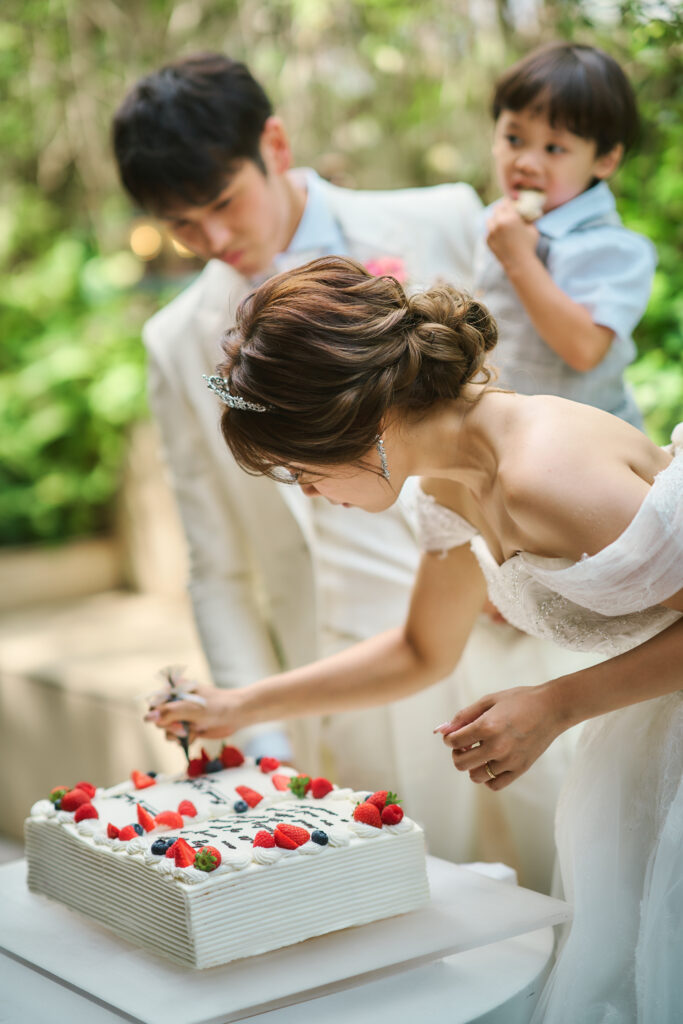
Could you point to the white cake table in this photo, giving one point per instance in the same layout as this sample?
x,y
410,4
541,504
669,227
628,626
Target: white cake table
x,y
480,947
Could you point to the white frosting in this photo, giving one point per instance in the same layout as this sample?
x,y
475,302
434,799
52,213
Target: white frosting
x,y
267,854
258,898
43,809
404,825
364,830
238,860
89,827
137,845
310,849
339,837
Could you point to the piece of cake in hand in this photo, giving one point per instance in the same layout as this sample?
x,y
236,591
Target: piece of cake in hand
x,y
223,862
530,203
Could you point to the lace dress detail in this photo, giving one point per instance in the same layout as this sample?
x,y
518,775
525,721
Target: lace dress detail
x,y
608,602
439,528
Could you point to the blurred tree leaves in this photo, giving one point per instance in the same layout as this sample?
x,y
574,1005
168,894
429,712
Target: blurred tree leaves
x,y
375,93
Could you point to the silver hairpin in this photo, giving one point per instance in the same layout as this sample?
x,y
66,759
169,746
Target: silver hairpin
x,y
383,458
220,386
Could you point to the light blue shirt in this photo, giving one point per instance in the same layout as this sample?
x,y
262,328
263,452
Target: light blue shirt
x,y
318,232
603,267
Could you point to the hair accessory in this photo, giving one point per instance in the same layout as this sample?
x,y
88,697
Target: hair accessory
x,y
220,386
383,458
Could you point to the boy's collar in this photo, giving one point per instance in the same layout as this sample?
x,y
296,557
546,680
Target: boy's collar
x,y
594,202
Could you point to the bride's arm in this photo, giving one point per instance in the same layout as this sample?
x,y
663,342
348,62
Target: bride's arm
x,y
447,597
513,728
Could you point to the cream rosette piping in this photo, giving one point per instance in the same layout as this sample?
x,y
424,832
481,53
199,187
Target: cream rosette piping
x,y
191,876
339,794
238,860
151,858
265,855
89,827
43,809
364,831
310,849
404,825
338,837
137,845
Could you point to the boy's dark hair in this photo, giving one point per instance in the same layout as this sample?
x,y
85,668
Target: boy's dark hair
x,y
181,131
579,88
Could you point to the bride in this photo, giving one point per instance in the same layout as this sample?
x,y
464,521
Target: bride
x,y
570,520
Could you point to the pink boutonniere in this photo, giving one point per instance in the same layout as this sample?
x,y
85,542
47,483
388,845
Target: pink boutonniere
x,y
387,266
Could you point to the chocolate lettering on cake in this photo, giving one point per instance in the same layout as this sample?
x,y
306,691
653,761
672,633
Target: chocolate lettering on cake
x,y
126,798
204,786
310,817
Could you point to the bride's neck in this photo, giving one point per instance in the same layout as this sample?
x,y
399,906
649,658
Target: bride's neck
x,y
456,440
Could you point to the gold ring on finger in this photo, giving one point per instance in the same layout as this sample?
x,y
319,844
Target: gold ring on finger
x,y
489,771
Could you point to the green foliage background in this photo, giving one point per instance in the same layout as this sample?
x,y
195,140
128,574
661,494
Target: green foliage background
x,y
375,93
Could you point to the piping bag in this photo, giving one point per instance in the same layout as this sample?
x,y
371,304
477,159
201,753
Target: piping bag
x,y
177,688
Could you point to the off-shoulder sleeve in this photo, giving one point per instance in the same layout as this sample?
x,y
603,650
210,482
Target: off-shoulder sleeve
x,y
438,527
643,566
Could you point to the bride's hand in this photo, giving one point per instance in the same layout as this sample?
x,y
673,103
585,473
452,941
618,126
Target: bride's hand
x,y
219,715
507,731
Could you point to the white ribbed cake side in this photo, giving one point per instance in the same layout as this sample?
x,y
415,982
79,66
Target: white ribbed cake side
x,y
297,898
254,910
110,887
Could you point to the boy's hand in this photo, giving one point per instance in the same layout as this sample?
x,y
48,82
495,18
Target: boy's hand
x,y
509,237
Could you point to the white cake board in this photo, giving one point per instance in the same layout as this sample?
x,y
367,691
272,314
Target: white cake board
x,y
466,910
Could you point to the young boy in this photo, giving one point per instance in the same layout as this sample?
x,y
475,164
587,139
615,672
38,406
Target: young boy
x,y
568,289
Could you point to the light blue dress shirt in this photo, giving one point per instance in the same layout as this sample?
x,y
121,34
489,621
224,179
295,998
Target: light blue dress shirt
x,y
317,234
599,264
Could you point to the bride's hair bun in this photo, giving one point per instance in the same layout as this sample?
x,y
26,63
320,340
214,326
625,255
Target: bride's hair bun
x,y
329,350
446,336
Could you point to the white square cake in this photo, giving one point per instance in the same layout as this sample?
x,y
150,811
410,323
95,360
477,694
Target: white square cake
x,y
228,863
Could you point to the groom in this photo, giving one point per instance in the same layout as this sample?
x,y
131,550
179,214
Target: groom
x,y
277,580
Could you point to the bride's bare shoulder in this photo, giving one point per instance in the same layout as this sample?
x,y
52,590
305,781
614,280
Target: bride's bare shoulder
x,y
572,477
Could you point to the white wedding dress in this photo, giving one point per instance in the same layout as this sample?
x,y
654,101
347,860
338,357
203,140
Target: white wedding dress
x,y
619,827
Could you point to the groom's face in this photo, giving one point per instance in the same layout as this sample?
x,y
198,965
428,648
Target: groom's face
x,y
248,222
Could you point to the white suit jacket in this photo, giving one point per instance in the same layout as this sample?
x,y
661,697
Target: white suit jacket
x,y
251,545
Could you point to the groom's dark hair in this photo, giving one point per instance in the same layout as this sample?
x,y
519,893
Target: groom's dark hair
x,y
182,131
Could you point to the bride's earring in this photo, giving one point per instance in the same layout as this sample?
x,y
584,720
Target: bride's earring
x,y
383,458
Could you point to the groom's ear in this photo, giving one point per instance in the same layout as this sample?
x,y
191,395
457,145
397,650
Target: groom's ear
x,y
274,145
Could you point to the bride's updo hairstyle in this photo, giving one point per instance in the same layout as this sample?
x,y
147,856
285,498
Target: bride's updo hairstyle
x,y
332,352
